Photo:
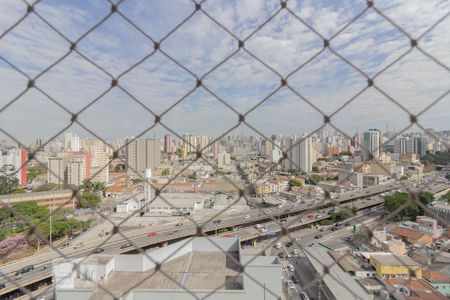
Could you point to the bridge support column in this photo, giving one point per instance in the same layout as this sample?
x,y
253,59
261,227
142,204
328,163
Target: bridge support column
x,y
254,243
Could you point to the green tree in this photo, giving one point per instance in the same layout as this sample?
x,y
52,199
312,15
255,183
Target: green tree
x,y
30,210
35,171
315,170
89,200
165,172
354,210
438,158
8,180
294,182
426,198
446,196
93,186
397,200
192,176
339,216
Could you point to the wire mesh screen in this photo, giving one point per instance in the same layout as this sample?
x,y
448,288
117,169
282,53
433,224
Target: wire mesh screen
x,y
125,73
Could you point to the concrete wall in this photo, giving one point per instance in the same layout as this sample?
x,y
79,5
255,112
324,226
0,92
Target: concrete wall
x,y
63,275
203,244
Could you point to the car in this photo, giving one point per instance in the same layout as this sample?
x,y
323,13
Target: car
x,y
288,256
291,268
295,252
298,238
99,251
333,228
2,286
246,217
318,236
291,284
218,221
179,224
73,236
281,255
295,279
349,239
347,224
304,296
258,226
152,233
289,244
125,246
266,211
278,245
25,269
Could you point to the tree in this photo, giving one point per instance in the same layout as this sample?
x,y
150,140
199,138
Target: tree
x,y
315,170
438,158
192,176
354,210
294,182
30,210
339,216
35,171
397,200
165,172
93,186
8,180
446,196
426,198
89,200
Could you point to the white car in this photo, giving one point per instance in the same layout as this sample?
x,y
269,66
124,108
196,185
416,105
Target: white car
x,y
246,217
278,245
295,252
298,238
267,211
291,284
291,268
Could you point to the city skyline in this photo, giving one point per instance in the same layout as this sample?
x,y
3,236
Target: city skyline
x,y
327,82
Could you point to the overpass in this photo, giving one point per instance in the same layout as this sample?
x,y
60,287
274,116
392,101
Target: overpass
x,y
140,239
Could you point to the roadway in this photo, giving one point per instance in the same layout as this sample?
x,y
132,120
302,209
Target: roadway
x,y
308,213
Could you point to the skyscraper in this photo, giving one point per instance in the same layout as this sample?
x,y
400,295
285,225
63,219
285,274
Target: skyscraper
x,y
76,170
300,154
15,159
99,160
55,172
168,144
371,144
71,142
143,154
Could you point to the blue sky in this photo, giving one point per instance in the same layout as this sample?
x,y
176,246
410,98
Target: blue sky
x,y
283,44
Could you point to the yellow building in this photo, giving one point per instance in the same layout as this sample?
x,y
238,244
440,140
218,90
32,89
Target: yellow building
x,y
263,190
389,266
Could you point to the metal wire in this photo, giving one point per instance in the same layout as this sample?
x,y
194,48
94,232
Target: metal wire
x,y
199,83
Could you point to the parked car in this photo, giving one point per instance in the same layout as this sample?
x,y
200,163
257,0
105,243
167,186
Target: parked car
x,y
295,279
298,238
304,296
281,255
289,244
291,268
278,245
295,252
152,233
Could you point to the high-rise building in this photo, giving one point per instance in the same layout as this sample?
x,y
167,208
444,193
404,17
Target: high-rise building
x,y
76,170
168,144
216,150
99,160
143,154
400,145
300,154
15,160
71,142
55,171
371,144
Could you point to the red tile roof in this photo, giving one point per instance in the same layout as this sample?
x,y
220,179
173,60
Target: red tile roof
x,y
422,291
408,233
435,276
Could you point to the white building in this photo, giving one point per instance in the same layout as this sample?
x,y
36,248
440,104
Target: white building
x,y
99,161
55,171
300,153
71,142
206,267
371,144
